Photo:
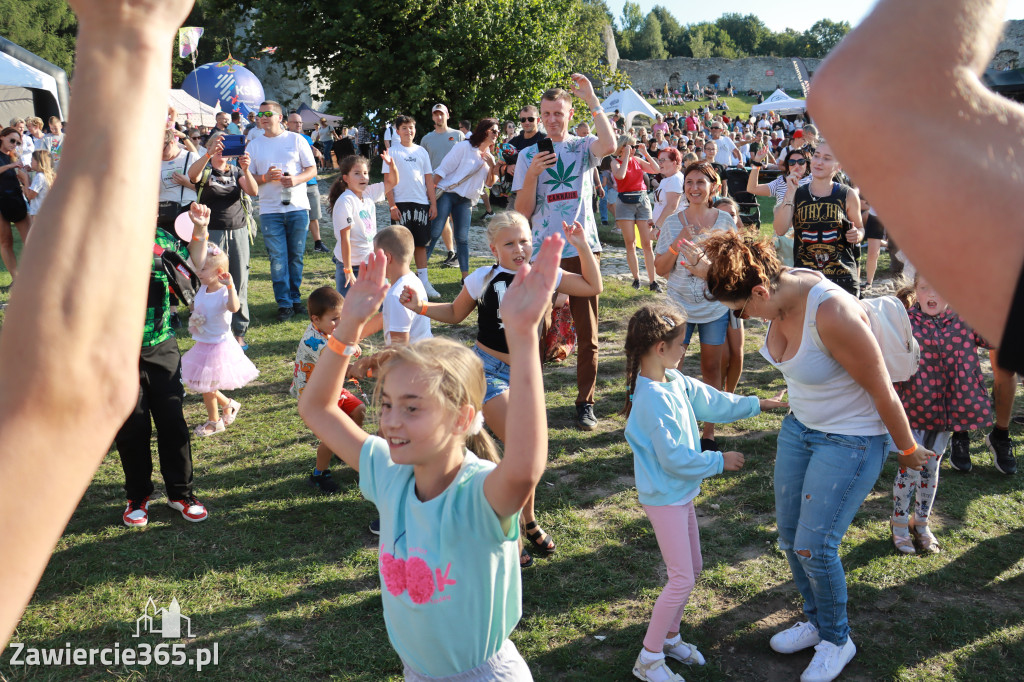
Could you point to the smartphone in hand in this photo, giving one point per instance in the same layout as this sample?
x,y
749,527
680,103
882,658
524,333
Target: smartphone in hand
x,y
546,145
234,146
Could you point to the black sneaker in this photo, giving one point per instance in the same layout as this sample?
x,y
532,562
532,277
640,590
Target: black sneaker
x,y
709,444
451,260
375,526
323,482
1002,452
960,452
299,308
655,287
636,284
585,418
285,314
319,246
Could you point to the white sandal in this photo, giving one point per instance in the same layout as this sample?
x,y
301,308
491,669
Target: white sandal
x,y
209,428
904,543
230,412
926,541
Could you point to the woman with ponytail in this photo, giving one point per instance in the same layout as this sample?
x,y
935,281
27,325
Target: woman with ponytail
x,y
833,444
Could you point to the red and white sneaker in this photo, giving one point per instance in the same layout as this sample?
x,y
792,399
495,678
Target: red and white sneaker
x,y
136,513
191,509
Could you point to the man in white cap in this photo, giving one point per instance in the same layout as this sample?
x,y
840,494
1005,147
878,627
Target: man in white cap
x,y
438,143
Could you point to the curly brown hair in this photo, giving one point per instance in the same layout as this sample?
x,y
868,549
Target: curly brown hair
x,y
740,262
649,326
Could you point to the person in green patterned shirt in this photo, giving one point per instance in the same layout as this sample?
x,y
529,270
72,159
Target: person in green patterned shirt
x,y
161,394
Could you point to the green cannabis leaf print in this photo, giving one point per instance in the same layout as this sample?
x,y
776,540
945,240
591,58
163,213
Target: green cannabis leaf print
x,y
560,175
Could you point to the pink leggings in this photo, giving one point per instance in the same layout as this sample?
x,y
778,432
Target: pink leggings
x,y
679,541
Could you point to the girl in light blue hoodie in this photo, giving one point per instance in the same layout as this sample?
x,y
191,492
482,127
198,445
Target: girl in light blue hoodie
x,y
663,409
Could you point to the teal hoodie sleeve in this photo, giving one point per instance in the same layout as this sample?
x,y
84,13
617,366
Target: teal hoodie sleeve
x,y
667,423
711,405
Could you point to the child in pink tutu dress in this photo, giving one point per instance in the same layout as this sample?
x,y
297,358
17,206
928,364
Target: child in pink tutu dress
x,y
216,362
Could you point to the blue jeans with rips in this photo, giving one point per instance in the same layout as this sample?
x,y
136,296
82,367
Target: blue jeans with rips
x,y
821,479
285,237
461,210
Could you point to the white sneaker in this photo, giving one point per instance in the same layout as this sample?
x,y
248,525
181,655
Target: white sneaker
x,y
431,291
685,653
655,671
796,638
829,660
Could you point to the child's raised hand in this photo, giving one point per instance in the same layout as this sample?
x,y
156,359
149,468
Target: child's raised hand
x,y
529,295
200,215
385,157
575,235
410,299
225,279
365,296
733,460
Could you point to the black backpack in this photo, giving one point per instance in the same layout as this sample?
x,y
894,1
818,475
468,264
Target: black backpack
x,y
181,278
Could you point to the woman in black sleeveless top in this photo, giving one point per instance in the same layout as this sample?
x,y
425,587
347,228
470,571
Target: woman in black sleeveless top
x,y
826,219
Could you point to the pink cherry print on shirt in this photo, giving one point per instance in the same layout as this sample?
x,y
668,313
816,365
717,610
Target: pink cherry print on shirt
x,y
420,580
392,570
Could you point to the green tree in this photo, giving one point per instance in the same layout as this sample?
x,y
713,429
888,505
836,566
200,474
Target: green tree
x,y
630,25
748,32
649,44
44,27
480,57
824,35
672,33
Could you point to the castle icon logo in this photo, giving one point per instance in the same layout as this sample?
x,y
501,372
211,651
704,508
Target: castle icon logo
x,y
170,620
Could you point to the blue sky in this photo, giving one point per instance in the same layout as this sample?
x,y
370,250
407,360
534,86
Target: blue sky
x,y
776,14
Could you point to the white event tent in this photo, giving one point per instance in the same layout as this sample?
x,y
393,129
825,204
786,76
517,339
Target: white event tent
x,y
780,103
629,104
184,103
18,83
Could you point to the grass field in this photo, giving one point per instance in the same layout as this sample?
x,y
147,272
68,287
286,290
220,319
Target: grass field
x,y
284,580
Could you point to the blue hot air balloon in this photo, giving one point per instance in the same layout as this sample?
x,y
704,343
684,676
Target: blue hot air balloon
x,y
235,87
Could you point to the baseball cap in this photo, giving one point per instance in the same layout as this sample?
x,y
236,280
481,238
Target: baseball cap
x,y
798,133
439,107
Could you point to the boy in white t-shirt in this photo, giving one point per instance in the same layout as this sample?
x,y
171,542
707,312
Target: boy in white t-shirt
x,y
413,203
400,325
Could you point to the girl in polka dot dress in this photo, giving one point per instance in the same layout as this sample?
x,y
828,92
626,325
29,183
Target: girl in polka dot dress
x,y
947,394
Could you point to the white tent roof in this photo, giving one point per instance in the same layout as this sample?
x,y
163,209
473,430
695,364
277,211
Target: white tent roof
x,y
184,103
14,72
780,102
629,104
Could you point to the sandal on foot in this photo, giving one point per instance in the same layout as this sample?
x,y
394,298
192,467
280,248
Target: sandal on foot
x,y
230,412
525,559
209,428
904,543
539,539
924,539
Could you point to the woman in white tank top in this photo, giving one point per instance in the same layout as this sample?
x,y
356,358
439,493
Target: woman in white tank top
x,y
835,440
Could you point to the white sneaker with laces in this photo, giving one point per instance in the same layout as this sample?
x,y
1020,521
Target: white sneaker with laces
x,y
684,653
654,671
829,660
796,638
431,291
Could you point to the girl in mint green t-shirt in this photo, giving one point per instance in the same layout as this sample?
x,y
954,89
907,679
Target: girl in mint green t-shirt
x,y
448,518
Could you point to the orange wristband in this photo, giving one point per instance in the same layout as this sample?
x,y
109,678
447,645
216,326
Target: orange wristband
x,y
341,348
423,310
673,251
909,451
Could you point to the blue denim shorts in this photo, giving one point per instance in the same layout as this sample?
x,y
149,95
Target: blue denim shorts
x,y
711,333
495,371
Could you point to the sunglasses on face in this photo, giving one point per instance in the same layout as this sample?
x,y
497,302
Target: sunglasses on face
x,y
265,114
527,119
797,162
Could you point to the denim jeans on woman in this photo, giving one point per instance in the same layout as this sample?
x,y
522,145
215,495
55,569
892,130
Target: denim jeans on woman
x,y
461,210
821,479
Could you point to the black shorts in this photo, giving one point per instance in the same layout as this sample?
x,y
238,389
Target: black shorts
x,y
873,228
1011,349
13,208
416,217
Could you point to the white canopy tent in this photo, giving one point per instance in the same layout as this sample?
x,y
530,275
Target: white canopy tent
x,y
184,103
781,103
629,104
18,84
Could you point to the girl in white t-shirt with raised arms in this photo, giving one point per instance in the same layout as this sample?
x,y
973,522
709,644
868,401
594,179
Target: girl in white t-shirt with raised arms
x,y
352,200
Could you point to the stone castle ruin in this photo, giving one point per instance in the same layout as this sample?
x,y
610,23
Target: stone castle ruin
x,y
764,73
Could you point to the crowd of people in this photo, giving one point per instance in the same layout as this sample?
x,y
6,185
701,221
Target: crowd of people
x,y
453,506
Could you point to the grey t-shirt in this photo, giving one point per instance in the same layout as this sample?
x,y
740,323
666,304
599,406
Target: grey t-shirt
x,y
564,191
439,144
